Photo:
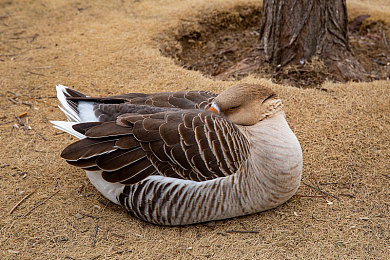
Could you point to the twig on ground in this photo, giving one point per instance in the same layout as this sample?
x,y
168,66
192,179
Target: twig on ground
x,y
20,121
8,122
42,68
40,135
242,231
120,252
13,93
221,233
39,204
13,101
90,216
29,97
69,257
13,54
324,192
104,202
328,183
95,257
27,104
34,37
310,196
117,235
35,73
347,195
20,202
73,226
94,235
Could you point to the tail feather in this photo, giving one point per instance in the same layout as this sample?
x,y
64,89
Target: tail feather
x,y
80,112
70,111
68,128
75,110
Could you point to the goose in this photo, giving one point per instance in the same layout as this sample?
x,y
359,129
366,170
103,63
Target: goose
x,y
178,158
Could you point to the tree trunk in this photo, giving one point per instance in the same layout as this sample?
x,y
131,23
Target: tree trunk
x,y
294,31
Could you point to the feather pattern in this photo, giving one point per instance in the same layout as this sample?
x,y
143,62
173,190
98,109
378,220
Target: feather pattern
x,y
168,159
115,145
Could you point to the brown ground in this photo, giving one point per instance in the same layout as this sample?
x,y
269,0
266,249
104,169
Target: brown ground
x,y
219,41
111,47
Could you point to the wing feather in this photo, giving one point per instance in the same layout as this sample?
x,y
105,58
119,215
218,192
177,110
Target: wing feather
x,y
141,175
192,144
106,129
119,159
128,171
87,148
126,142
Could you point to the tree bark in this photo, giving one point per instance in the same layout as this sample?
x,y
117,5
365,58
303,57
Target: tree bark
x,y
294,31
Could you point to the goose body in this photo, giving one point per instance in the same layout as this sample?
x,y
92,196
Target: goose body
x,y
185,157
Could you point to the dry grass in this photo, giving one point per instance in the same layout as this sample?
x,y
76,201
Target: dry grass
x,y
378,9
103,48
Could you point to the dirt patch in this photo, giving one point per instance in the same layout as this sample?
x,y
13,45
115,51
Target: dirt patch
x,y
219,41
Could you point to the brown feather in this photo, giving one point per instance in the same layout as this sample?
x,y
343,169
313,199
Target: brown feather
x,y
107,129
93,168
86,148
84,127
83,163
127,142
187,135
157,150
187,120
150,124
179,156
127,172
129,119
140,176
180,102
119,159
169,133
141,133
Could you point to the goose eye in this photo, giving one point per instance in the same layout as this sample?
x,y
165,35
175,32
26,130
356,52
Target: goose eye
x,y
233,108
270,97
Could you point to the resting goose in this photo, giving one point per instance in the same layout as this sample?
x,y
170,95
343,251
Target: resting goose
x,y
185,157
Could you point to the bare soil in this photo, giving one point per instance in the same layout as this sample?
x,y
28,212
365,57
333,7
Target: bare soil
x,y
222,40
49,210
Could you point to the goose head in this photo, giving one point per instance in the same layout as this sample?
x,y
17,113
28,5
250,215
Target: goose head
x,y
247,104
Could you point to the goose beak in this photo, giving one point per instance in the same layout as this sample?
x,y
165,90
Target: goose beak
x,y
214,108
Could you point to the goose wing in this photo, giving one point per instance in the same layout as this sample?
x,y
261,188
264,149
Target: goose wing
x,y
109,108
180,99
188,144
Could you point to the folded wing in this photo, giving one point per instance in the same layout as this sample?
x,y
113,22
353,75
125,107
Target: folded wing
x,y
190,144
108,109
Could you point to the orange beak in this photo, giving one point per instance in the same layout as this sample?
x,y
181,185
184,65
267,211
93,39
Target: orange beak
x,y
214,108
